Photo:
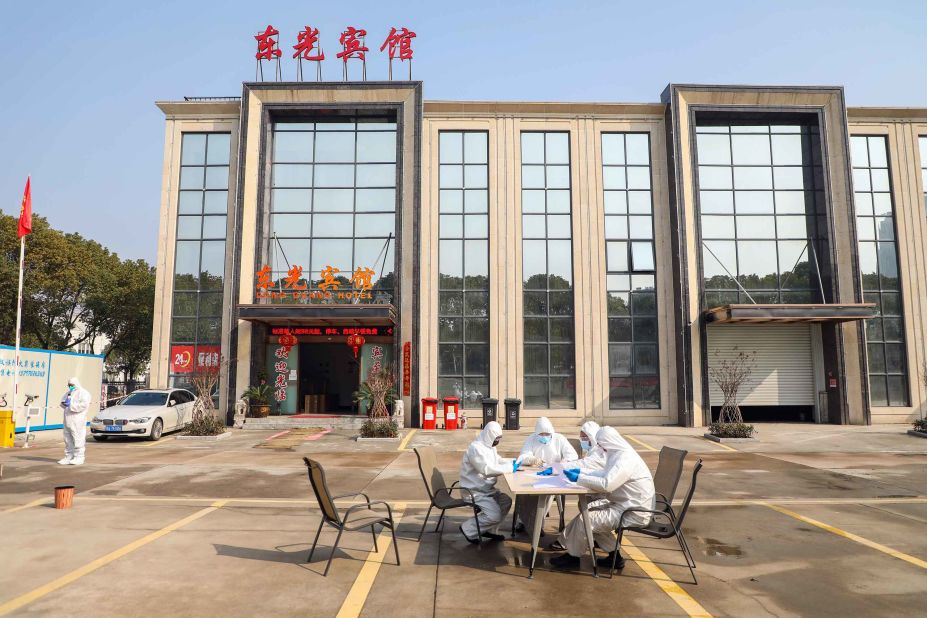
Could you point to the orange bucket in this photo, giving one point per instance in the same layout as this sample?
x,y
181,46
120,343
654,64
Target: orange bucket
x,y
64,496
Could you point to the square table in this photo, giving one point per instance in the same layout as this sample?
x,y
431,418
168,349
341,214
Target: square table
x,y
522,483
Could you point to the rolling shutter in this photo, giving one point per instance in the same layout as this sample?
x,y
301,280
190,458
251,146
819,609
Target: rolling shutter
x,y
783,373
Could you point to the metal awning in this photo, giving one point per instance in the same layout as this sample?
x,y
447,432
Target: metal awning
x,y
767,314
319,315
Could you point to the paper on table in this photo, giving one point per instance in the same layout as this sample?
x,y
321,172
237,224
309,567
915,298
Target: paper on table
x,y
553,482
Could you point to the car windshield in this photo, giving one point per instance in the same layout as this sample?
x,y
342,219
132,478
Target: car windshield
x,y
145,399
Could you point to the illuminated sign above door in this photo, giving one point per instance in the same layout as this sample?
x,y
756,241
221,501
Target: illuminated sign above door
x,y
336,331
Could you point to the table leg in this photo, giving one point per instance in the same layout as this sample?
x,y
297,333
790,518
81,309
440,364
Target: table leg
x,y
514,514
542,506
584,511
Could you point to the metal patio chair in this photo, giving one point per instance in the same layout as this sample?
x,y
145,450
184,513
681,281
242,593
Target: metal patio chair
x,y
360,515
669,471
664,524
574,442
439,493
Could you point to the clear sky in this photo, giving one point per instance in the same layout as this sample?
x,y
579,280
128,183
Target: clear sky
x,y
79,78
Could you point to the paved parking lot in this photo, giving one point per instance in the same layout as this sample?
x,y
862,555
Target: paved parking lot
x,y
809,520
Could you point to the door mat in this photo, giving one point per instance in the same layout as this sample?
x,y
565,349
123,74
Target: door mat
x,y
291,438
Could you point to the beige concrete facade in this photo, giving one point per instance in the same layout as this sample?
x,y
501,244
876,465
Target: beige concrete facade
x,y
680,328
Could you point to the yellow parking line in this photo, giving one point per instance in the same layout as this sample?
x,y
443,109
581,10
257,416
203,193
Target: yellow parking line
x,y
673,590
724,446
357,596
849,535
29,505
635,440
402,445
90,567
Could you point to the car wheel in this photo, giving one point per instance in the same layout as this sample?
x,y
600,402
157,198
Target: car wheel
x,y
100,438
157,427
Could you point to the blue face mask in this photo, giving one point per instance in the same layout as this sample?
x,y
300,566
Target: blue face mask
x,y
71,387
585,444
544,439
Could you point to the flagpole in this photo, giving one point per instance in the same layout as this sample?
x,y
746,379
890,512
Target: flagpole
x,y
19,318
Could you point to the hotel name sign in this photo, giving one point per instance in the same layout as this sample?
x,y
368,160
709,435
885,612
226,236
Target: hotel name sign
x,y
397,45
329,286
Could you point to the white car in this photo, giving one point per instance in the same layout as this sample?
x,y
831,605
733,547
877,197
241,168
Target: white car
x,y
146,413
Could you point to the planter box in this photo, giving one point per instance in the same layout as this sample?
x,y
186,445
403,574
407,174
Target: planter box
x,y
714,438
221,436
397,439
919,434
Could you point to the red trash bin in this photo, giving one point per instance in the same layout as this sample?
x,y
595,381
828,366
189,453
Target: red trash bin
x,y
429,413
451,412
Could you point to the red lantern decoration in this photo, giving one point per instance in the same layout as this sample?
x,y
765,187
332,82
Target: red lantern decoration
x,y
355,342
287,341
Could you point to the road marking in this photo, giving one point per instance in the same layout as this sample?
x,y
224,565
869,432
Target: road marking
x,y
849,535
673,590
90,567
724,446
644,444
402,445
29,505
162,442
357,596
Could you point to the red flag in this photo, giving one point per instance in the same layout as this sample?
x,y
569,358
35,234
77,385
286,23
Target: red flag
x,y
25,211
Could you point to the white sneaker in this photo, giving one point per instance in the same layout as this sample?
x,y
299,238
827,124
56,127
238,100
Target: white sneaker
x,y
65,461
76,462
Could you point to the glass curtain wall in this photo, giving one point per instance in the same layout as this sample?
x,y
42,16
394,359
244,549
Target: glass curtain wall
x,y
878,264
333,210
463,280
547,271
199,259
760,192
633,367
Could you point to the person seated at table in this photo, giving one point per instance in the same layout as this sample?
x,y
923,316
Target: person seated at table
x,y
544,447
478,471
626,482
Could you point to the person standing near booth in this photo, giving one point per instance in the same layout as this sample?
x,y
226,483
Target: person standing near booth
x,y
74,404
478,471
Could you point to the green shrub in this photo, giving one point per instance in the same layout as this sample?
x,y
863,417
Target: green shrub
x,y
379,428
920,424
731,430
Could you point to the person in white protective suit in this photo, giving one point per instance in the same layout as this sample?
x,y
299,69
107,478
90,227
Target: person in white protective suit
x,y
478,471
74,404
626,482
542,448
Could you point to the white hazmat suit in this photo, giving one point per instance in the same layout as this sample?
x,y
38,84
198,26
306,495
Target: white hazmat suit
x,y
625,481
535,452
594,458
478,471
75,404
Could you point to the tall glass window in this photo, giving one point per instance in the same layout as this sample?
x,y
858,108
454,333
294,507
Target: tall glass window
x,y
199,259
463,282
760,192
547,271
922,142
878,264
633,367
333,209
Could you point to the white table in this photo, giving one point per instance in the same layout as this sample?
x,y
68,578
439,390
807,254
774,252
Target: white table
x,y
522,483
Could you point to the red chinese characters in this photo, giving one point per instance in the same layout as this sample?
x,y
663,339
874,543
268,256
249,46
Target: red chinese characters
x,y
307,42
399,41
352,42
267,48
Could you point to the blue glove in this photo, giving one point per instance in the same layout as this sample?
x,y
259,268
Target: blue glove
x,y
515,465
572,474
546,472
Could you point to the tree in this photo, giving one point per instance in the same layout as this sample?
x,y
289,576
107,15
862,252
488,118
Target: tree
x,y
729,374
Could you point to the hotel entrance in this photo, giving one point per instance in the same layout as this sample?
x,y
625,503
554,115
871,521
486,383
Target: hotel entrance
x,y
328,376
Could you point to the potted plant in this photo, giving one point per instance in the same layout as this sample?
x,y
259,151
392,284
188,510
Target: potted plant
x,y
729,374
204,421
377,394
258,397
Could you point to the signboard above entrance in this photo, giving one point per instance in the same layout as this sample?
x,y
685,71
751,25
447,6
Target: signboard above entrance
x,y
337,331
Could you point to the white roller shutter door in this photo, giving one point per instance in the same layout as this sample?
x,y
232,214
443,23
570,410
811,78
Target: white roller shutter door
x,y
783,372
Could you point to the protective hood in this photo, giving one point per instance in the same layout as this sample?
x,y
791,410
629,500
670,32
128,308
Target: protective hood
x,y
543,425
591,429
610,440
75,382
489,433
